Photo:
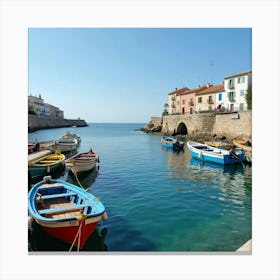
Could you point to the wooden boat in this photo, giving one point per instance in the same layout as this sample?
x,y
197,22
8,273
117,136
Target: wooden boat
x,y
65,211
243,144
69,135
211,154
171,143
64,145
219,144
82,162
39,146
45,164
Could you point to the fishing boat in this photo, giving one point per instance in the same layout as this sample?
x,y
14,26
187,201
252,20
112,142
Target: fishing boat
x,y
219,144
69,135
64,145
65,211
39,146
45,164
243,144
82,162
211,154
171,143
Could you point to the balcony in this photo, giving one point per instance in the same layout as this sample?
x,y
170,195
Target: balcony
x,y
210,101
191,103
173,98
173,105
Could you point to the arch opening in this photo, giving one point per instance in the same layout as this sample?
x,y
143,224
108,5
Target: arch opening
x,y
182,129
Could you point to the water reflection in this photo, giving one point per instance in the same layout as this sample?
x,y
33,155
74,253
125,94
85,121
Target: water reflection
x,y
86,179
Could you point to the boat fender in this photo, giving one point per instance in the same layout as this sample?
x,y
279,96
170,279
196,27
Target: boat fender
x,y
104,216
48,169
47,179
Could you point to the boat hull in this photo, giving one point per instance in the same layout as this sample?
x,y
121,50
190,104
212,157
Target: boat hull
x,y
67,231
79,167
220,156
37,171
171,143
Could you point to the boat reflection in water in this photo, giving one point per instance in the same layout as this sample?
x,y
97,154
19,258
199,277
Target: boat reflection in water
x,y
230,180
86,179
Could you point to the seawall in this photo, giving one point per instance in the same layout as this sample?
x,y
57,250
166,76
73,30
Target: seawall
x,y
42,122
205,125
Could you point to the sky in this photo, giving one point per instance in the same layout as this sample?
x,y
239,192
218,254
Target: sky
x,y
124,75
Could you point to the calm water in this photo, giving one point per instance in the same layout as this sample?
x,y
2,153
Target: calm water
x,y
156,199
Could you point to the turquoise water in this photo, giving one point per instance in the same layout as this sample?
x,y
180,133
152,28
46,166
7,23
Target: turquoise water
x,y
156,199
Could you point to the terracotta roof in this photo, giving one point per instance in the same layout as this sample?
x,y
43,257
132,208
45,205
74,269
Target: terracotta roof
x,y
212,89
178,91
238,74
199,89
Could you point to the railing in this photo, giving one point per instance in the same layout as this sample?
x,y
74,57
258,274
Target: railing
x,y
210,101
191,103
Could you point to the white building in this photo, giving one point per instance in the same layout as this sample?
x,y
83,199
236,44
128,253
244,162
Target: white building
x,y
43,109
236,87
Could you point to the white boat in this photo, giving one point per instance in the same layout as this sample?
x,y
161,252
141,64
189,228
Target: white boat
x,y
69,135
211,154
64,145
82,162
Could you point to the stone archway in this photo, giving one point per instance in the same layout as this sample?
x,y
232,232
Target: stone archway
x,y
182,129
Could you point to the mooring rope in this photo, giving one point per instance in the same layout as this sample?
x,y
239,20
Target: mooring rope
x,y
76,175
80,218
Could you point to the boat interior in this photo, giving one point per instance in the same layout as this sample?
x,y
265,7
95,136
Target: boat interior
x,y
55,201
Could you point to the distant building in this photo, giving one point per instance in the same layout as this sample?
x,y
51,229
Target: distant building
x,y
229,96
206,99
174,102
43,109
236,87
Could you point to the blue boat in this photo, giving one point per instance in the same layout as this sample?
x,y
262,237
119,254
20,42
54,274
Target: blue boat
x,y
211,154
65,211
171,143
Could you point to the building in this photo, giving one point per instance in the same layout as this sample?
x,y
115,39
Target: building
x,y
236,87
43,109
174,102
206,99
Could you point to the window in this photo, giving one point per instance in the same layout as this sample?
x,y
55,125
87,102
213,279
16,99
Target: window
x,y
231,96
220,97
242,92
240,80
178,102
199,99
241,107
183,102
231,83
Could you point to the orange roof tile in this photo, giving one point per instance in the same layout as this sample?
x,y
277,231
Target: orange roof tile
x,y
178,91
212,89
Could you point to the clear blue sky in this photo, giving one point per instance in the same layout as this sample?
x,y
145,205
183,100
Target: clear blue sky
x,y
125,74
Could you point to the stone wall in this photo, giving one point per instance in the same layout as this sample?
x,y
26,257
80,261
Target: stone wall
x,y
43,122
206,125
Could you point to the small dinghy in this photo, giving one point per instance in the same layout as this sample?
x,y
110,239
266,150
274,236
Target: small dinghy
x,y
82,162
171,143
216,155
65,211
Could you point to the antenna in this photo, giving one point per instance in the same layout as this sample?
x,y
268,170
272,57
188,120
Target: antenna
x,y
212,66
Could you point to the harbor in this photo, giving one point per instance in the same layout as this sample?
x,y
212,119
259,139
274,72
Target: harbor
x,y
156,199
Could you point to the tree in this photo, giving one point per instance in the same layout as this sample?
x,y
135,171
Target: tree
x,y
248,97
31,110
165,110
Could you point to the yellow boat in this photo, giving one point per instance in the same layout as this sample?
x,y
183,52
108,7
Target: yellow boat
x,y
243,144
219,144
46,164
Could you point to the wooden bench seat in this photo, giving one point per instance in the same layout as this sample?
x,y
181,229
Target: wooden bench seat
x,y
57,210
49,196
